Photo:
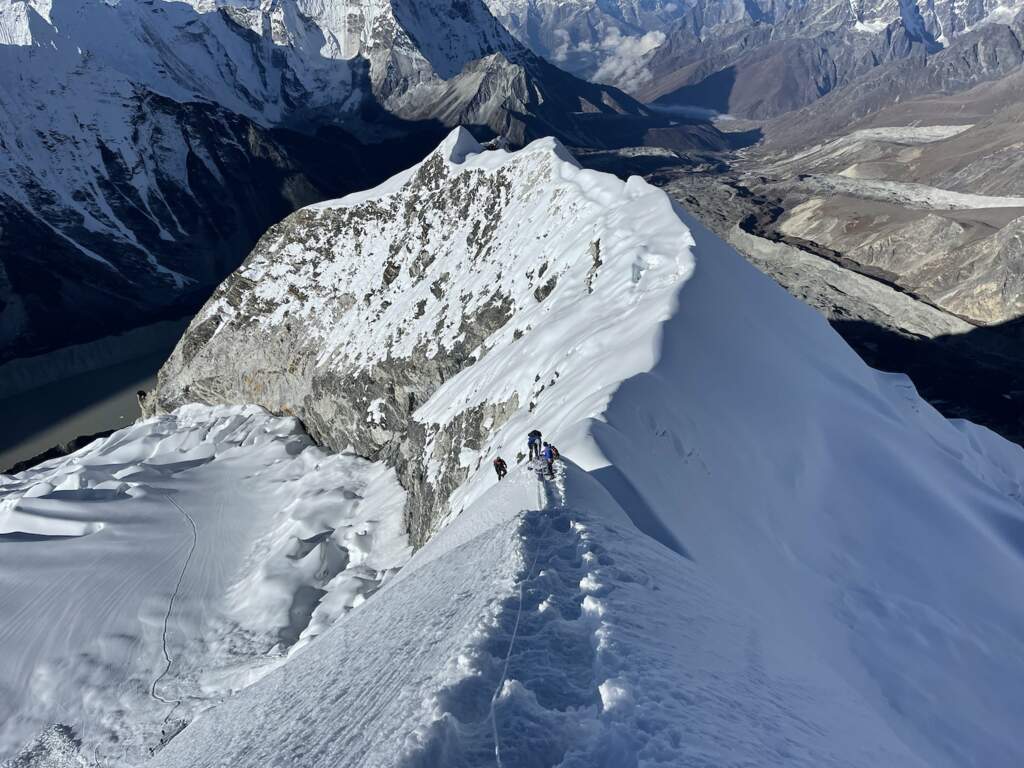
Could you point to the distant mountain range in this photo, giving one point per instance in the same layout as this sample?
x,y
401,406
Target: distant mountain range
x,y
755,58
146,145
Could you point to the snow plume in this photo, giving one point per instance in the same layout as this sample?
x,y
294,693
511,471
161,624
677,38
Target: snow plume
x,y
623,58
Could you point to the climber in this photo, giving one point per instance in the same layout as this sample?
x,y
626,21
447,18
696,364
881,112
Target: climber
x,y
500,467
533,443
550,453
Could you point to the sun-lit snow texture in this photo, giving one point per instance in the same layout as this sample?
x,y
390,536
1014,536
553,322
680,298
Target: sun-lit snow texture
x,y
155,571
541,628
826,566
880,534
546,227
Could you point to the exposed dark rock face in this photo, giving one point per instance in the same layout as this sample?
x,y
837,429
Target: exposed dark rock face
x,y
766,71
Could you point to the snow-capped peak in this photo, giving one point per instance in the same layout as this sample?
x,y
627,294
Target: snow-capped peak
x,y
459,145
17,18
827,517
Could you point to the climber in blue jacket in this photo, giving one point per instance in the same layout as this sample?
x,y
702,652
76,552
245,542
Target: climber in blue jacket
x,y
533,443
549,454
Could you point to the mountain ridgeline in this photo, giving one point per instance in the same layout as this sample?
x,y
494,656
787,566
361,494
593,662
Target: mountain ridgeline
x,y
352,315
146,146
431,322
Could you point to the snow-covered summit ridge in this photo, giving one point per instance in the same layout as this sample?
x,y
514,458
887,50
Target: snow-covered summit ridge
x,y
466,258
433,321
461,232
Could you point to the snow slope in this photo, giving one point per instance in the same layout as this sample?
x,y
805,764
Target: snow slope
x,y
572,639
155,571
804,563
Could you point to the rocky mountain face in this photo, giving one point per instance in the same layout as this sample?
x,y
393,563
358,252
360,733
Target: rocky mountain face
x,y
756,60
351,315
766,71
753,59
145,146
609,41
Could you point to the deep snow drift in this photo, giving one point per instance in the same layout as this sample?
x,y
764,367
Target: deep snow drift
x,y
759,550
157,570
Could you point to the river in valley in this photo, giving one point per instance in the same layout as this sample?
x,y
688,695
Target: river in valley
x,y
35,418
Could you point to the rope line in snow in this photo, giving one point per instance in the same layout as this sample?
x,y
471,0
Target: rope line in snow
x,y
170,605
512,641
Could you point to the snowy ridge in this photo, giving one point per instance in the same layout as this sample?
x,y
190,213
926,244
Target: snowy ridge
x,y
554,652
468,259
153,572
524,252
727,453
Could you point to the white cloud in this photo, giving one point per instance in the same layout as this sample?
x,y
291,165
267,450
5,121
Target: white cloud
x,y
622,62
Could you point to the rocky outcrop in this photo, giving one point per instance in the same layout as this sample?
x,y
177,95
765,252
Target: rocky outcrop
x,y
351,316
427,322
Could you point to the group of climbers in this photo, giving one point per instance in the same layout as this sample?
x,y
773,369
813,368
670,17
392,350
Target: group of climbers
x,y
538,450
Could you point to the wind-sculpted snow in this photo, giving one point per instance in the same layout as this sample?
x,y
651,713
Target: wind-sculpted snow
x,y
541,628
762,552
153,572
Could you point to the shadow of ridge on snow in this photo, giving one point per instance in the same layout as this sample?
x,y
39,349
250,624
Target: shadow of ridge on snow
x,y
978,375
634,505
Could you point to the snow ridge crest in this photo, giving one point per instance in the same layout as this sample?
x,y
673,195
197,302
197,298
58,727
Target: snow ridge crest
x,y
441,308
